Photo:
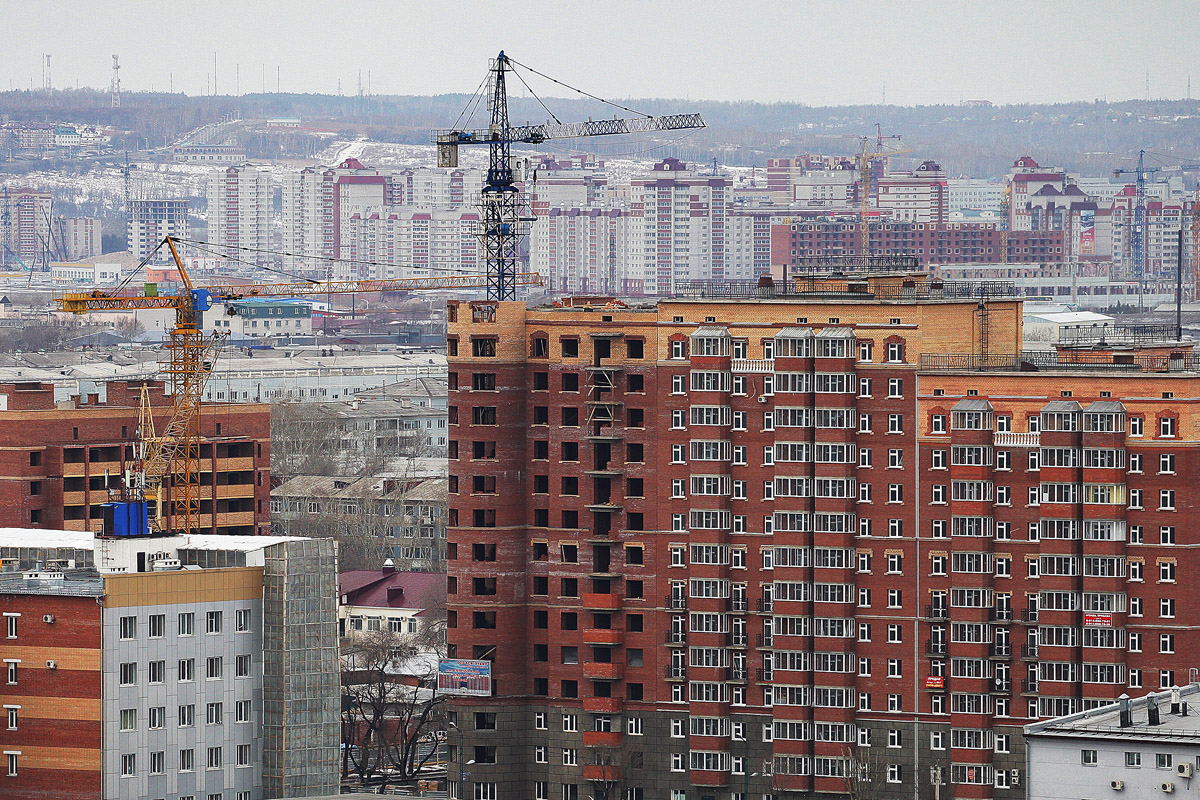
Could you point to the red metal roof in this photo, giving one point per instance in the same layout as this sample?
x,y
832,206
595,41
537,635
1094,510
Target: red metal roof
x,y
380,589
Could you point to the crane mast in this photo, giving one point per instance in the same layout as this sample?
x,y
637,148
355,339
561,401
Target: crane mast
x,y
1137,234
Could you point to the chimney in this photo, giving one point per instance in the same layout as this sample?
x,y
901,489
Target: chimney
x,y
1175,700
1152,716
1126,714
389,566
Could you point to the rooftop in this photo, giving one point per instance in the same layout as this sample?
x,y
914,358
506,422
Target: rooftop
x,y
388,588
1178,719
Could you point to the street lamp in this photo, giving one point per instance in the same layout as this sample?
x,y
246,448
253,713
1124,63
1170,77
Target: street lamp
x,y
461,766
935,777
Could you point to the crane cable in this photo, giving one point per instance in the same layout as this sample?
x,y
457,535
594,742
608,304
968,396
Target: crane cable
x,y
580,91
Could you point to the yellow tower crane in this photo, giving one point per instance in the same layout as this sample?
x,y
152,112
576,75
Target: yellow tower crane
x,y
189,360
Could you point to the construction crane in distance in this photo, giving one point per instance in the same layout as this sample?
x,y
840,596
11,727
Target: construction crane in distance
x,y
191,356
1137,234
501,199
865,160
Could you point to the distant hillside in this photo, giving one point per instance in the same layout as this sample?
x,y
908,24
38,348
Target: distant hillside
x,y
1092,138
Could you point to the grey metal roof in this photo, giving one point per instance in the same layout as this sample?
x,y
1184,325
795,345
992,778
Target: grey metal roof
x,y
973,404
795,332
837,332
711,330
1061,406
1106,407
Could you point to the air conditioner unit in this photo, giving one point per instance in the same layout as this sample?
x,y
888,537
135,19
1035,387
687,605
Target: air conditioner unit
x,y
762,398
1184,770
48,618
1117,786
51,665
1168,787
1015,780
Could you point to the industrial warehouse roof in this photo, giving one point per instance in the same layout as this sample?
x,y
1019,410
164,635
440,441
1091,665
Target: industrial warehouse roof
x,y
1105,722
82,540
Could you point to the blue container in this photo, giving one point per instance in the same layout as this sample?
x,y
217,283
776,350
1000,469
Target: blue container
x,y
126,518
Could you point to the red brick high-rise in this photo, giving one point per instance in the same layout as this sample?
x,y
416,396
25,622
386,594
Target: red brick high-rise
x,y
765,545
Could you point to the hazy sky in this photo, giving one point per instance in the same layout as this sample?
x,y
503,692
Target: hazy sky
x,y
804,51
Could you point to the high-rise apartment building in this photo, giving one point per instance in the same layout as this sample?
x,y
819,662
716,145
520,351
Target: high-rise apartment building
x,y
409,242
150,221
79,237
316,203
172,667
677,230
437,188
793,537
24,224
240,202
581,250
61,458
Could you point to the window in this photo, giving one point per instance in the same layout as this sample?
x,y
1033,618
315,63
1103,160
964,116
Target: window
x,y
214,668
187,716
937,423
895,387
1166,427
241,711
1166,643
158,762
1088,758
214,714
895,423
128,674
212,622
895,351
241,667
242,620
187,669
12,764
1133,759
243,755
1163,761
128,765
214,757
128,719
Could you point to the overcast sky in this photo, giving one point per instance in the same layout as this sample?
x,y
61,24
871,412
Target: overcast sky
x,y
807,51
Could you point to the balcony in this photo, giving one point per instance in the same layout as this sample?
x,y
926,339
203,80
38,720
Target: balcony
x,y
675,672
1001,685
738,604
602,705
1013,439
1029,686
601,671
935,647
676,637
764,640
602,635
601,738
601,772
762,674
1000,649
752,364
675,602
1029,651
937,612
602,602
1029,615
736,673
738,639
1000,614
765,604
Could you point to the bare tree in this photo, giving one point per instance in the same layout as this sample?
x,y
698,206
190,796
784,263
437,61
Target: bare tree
x,y
304,440
393,718
866,776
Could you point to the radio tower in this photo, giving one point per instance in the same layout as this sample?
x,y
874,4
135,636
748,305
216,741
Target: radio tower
x,y
115,89
47,83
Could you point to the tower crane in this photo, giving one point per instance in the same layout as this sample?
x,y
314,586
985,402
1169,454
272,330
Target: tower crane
x,y
501,198
1137,234
866,158
189,360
